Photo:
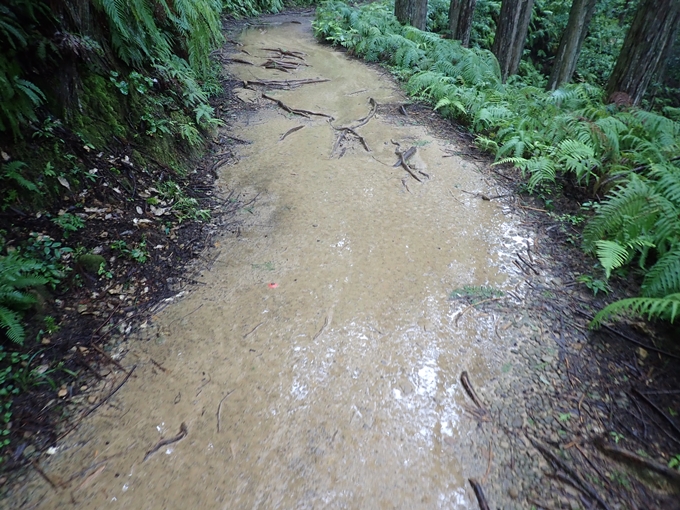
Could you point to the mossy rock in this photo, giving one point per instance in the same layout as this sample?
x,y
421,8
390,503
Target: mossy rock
x,y
91,262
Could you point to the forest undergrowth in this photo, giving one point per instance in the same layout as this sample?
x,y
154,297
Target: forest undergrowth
x,y
626,157
106,109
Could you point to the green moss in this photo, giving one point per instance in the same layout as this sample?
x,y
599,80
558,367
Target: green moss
x,y
102,114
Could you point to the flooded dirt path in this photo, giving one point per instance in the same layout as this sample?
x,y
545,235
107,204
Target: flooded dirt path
x,y
317,364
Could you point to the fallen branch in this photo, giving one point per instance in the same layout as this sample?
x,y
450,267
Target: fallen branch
x,y
291,130
479,493
625,455
559,463
183,431
43,474
467,386
651,404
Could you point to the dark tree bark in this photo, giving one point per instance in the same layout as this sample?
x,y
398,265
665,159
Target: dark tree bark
x,y
412,12
511,34
460,20
645,49
570,45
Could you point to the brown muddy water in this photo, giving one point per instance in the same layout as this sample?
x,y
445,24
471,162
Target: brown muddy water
x,y
318,365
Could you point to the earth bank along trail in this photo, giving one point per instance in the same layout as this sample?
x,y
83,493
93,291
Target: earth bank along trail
x,y
319,364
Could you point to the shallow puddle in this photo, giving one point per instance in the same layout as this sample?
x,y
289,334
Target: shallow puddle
x,y
318,365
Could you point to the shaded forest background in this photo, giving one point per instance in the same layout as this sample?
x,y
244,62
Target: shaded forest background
x,y
99,96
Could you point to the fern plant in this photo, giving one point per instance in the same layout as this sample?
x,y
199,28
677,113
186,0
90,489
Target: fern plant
x,y
19,97
15,278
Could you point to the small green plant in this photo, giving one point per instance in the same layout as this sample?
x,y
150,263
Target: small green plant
x,y
183,206
49,255
102,271
594,284
617,436
138,254
69,223
674,463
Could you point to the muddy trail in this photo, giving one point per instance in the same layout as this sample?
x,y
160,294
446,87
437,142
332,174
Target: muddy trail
x,y
317,362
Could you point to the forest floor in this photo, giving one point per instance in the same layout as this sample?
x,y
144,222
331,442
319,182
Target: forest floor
x,y
379,318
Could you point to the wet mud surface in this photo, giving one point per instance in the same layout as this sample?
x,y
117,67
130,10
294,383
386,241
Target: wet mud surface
x,y
318,361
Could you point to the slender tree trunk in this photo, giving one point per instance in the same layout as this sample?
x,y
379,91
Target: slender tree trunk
x,y
412,12
460,20
511,34
645,49
570,45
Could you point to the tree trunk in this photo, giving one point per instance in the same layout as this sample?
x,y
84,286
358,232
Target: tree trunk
x,y
511,33
412,12
460,20
571,42
645,49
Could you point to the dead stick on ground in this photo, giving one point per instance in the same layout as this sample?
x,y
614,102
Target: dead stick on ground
x,y
183,431
473,305
657,409
43,474
108,357
467,385
291,130
113,392
481,499
557,462
219,409
488,466
621,454
252,330
158,365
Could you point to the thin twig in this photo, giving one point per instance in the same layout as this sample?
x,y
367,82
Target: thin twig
x,y
111,394
252,330
657,409
488,466
43,474
621,454
183,431
467,385
473,305
548,454
291,130
219,409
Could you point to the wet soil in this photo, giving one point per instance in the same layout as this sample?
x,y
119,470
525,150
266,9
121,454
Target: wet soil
x,y
317,363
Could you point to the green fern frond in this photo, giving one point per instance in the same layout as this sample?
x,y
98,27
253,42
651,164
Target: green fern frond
x,y
664,276
625,202
666,308
611,254
10,321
